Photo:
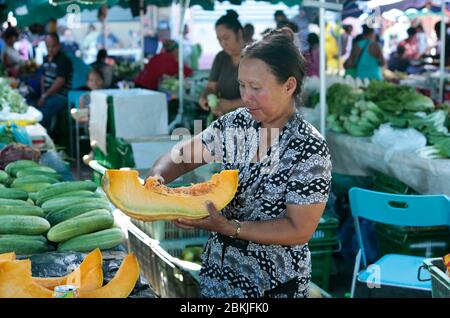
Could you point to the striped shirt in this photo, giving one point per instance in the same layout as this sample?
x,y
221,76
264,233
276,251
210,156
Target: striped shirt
x,y
59,66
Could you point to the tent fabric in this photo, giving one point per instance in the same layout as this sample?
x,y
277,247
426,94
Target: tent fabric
x,y
41,11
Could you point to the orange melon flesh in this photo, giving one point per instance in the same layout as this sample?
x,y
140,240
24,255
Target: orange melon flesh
x,y
6,257
87,276
122,283
16,281
153,201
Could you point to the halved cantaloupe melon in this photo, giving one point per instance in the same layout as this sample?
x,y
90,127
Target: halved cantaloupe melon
x,y
16,281
154,201
6,257
122,283
87,276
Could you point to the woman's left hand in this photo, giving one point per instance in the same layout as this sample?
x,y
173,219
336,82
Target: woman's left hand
x,y
215,222
223,107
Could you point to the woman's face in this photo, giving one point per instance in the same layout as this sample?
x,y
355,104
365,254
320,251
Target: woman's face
x,y
95,81
230,42
265,97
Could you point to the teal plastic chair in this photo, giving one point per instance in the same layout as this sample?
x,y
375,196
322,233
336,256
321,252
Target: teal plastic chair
x,y
395,270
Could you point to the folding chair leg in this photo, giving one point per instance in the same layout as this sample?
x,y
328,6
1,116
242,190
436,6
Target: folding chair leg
x,y
77,132
355,273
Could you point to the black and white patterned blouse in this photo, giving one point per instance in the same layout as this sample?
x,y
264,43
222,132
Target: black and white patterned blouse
x,y
295,170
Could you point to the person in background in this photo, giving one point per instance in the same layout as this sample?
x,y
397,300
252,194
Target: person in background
x,y
437,30
55,83
95,81
69,45
164,63
258,243
106,69
279,16
107,40
223,76
302,22
89,44
421,40
346,41
369,55
248,32
312,56
398,61
11,57
187,47
411,45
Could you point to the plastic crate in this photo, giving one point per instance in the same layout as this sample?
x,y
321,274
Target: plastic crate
x,y
426,242
119,154
168,277
166,230
325,230
322,261
384,183
440,281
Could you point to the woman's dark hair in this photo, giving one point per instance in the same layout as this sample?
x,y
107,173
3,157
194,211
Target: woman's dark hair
x,y
313,39
10,32
102,54
230,21
367,30
278,51
411,32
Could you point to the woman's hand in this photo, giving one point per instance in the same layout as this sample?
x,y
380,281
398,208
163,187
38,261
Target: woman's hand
x,y
215,222
158,177
203,103
223,107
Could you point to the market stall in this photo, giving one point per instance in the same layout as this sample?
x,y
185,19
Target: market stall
x,y
358,156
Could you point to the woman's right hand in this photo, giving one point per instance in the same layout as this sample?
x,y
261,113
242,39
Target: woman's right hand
x,y
203,103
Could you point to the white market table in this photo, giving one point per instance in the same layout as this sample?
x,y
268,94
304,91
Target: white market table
x,y
357,156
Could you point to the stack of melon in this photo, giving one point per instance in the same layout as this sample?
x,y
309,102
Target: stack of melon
x,y
39,212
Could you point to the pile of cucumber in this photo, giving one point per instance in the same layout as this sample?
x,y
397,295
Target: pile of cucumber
x,y
39,212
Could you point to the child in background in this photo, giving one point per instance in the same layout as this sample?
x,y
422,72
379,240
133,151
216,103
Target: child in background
x,y
95,81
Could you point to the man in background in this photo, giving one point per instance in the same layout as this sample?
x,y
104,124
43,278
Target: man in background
x,y
55,83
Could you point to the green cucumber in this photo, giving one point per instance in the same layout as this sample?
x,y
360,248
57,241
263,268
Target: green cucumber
x,y
73,211
23,244
3,176
23,224
16,194
33,172
104,239
21,210
67,186
72,194
13,202
13,167
80,225
34,179
62,203
31,187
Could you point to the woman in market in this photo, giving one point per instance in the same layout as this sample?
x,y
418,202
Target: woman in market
x,y
257,247
162,64
11,57
369,55
223,77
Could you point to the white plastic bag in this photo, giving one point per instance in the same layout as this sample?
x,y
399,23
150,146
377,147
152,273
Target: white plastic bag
x,y
394,139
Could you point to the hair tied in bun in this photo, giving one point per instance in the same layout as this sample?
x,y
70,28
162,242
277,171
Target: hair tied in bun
x,y
287,31
232,14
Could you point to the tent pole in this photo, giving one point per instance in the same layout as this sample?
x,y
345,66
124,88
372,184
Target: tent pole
x,y
183,7
322,70
142,33
442,54
339,40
